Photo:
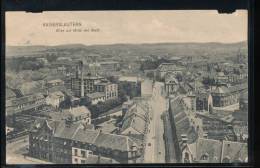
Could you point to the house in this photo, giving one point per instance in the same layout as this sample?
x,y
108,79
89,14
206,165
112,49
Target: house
x,y
96,97
109,89
55,98
214,151
183,124
69,143
79,114
25,103
224,96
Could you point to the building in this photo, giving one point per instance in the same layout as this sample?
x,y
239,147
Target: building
x,y
79,114
67,143
109,89
216,127
165,68
81,86
135,121
171,84
55,98
225,96
96,97
214,151
184,125
204,101
25,103
108,66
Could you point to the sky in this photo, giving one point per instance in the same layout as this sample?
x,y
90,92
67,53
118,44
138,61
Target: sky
x,y
126,27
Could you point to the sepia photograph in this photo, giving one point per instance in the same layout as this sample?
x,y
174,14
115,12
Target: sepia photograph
x,y
126,87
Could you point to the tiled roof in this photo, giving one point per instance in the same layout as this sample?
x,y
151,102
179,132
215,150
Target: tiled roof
x,y
26,99
217,150
67,132
85,135
77,111
113,141
235,151
136,122
209,147
182,124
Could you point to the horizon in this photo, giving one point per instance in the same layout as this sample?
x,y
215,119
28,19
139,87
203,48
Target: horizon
x,y
152,43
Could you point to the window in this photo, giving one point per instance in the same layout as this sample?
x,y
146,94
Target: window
x,y
204,157
76,152
76,160
83,153
83,161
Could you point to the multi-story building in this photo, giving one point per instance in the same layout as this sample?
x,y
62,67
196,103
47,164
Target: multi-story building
x,y
79,114
81,86
66,143
224,96
110,89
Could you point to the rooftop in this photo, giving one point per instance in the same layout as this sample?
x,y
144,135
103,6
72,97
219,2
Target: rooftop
x,y
96,95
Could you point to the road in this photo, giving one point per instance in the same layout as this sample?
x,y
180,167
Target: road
x,y
155,148
15,151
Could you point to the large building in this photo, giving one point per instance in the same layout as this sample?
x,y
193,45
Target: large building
x,y
66,143
225,96
81,86
109,89
165,68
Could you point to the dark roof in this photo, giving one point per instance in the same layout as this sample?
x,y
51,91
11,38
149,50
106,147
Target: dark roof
x,y
85,135
67,131
235,151
26,99
181,121
113,141
209,147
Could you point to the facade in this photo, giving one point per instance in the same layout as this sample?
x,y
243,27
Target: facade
x,y
224,96
85,85
171,84
204,101
109,89
61,142
26,103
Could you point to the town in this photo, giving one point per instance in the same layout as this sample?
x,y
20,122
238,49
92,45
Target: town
x,y
128,104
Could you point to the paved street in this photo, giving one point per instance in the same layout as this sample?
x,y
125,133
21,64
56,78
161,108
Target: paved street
x,y
15,151
155,148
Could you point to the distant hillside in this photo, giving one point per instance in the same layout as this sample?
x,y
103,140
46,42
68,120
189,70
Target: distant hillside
x,y
174,49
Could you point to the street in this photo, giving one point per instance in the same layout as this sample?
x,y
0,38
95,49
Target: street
x,y
15,151
155,148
